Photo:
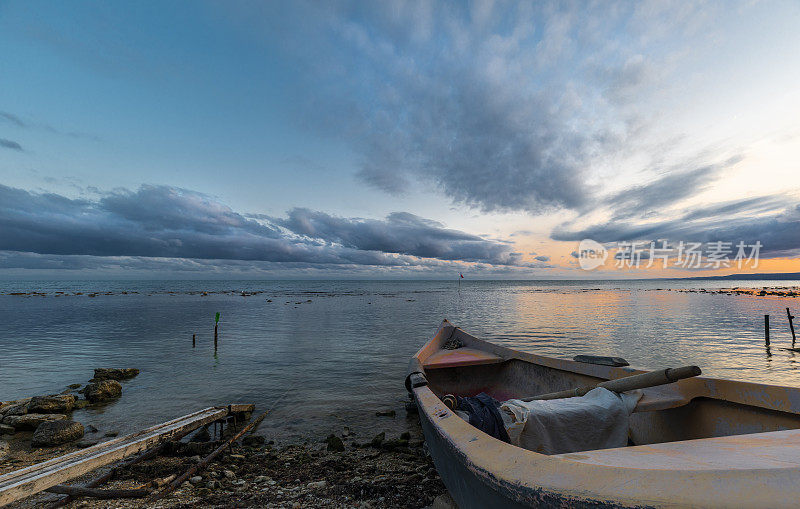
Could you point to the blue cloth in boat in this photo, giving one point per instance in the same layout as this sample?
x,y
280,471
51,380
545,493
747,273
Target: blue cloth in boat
x,y
484,414
597,420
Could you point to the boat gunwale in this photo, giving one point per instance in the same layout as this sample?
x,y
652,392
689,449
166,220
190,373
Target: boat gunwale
x,y
734,391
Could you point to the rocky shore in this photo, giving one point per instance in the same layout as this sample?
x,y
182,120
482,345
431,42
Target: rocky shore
x,y
339,470
44,421
767,291
303,475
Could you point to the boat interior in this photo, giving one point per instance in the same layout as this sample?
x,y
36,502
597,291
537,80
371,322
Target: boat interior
x,y
714,413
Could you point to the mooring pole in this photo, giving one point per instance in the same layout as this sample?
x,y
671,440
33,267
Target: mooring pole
x,y
791,325
216,324
766,329
194,342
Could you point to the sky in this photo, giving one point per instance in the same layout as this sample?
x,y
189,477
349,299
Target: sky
x,y
246,139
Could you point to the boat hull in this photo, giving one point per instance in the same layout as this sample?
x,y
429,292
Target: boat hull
x,y
471,489
732,444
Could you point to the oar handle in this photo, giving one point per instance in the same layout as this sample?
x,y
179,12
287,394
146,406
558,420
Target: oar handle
x,y
628,383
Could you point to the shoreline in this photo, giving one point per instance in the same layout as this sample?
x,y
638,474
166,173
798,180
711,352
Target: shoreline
x,y
343,468
348,471
271,297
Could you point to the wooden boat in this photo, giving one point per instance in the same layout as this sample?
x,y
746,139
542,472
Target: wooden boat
x,y
699,442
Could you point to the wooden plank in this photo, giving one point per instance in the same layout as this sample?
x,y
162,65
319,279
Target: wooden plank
x,y
241,407
28,481
460,357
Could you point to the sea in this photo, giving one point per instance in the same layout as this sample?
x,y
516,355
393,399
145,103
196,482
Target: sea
x,y
328,355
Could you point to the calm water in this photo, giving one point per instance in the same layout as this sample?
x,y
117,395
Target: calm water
x,y
338,349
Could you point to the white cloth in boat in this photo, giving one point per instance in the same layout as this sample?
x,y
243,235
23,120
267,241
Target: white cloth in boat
x,y
597,420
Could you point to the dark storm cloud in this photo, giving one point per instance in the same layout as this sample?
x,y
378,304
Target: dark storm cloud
x,y
24,264
501,106
400,232
13,145
772,220
482,146
666,190
493,106
165,222
157,208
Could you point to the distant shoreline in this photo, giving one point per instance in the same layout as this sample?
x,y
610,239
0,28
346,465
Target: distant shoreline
x,y
776,276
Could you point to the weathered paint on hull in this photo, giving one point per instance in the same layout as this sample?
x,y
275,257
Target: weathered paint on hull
x,y
470,491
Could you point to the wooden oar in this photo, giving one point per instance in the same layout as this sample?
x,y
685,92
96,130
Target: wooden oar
x,y
628,383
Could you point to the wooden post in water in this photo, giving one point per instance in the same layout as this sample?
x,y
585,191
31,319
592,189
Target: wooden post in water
x,y
216,324
194,340
766,329
791,325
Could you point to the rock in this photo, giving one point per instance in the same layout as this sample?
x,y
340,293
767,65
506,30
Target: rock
x,y
111,434
443,501
114,374
196,479
334,443
261,478
16,409
5,429
186,485
317,485
405,435
91,429
83,444
204,492
213,485
385,413
80,403
228,474
61,404
53,433
394,443
195,459
3,449
7,406
74,386
103,391
378,440
31,421
253,440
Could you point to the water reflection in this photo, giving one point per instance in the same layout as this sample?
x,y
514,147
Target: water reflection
x,y
340,348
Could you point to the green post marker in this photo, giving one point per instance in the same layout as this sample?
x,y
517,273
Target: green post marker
x,y
216,323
